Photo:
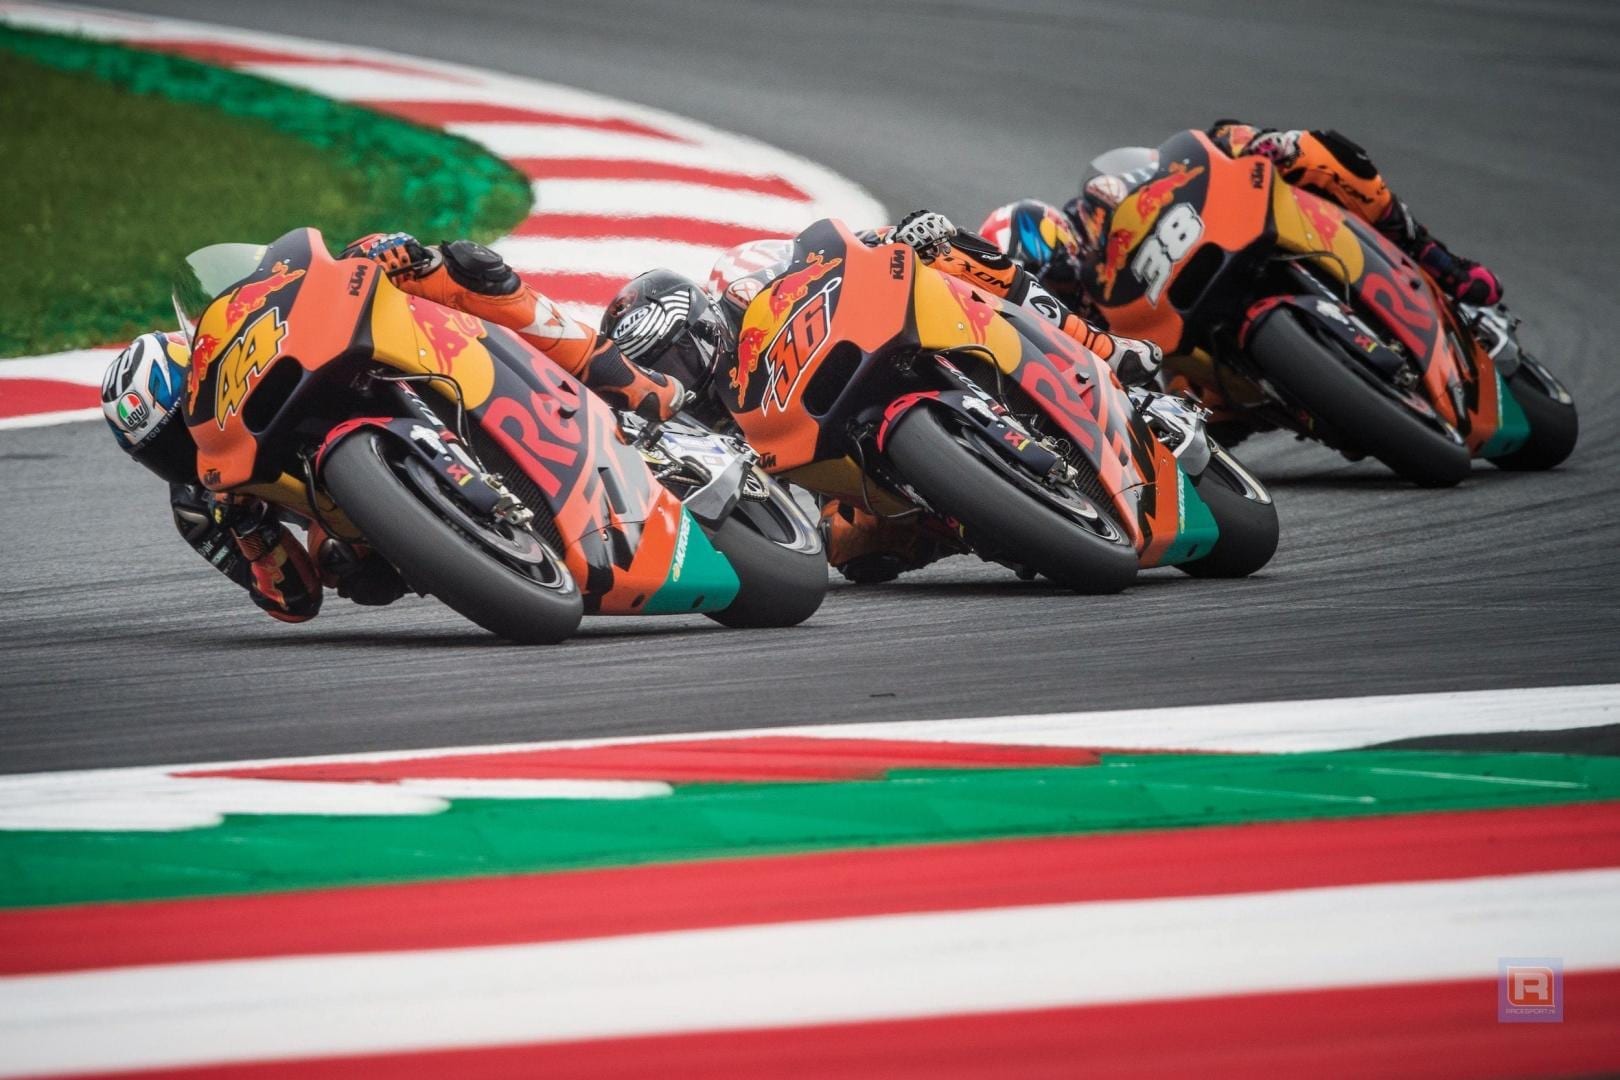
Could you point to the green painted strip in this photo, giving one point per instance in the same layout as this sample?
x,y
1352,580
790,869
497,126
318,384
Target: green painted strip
x,y
257,854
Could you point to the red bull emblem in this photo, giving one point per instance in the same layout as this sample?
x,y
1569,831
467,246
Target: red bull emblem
x,y
978,315
202,354
748,345
447,330
1325,219
251,297
791,288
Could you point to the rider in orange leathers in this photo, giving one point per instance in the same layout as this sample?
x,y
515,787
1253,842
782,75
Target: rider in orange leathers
x,y
242,537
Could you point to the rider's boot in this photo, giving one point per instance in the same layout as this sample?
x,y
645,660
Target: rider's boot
x,y
869,550
1461,279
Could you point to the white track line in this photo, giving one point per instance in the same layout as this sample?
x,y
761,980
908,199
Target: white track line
x,y
1268,727
807,973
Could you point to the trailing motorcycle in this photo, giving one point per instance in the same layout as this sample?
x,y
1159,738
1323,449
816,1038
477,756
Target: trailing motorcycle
x,y
1280,310
318,386
864,374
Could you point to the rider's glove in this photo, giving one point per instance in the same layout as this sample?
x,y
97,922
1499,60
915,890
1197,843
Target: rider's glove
x,y
399,254
283,580
925,231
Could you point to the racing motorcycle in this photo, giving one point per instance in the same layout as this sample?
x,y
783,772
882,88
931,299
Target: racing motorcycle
x,y
1281,310
486,474
864,374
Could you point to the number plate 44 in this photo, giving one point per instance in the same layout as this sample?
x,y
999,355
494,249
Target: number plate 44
x,y
1177,233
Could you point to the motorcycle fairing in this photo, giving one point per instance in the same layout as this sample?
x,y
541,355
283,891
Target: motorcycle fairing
x,y
626,539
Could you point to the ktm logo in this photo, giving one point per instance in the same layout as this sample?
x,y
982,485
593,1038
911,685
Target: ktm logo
x,y
245,361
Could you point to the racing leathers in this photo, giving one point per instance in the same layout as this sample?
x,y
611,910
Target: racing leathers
x,y
867,549
1328,164
243,538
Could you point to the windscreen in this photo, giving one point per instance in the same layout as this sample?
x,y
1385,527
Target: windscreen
x,y
209,272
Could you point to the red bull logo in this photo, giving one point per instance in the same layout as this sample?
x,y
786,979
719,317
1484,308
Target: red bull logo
x,y
1325,220
251,297
202,354
978,315
1135,217
789,289
748,345
448,332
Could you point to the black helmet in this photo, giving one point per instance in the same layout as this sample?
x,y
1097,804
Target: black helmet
x,y
667,323
1038,237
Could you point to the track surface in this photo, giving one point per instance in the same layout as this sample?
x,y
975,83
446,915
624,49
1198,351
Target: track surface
x,y
1489,118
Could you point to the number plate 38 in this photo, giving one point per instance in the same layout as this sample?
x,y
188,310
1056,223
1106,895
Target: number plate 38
x,y
1177,233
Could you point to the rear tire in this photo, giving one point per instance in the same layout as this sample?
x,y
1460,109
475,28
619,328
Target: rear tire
x,y
960,484
782,585
436,557
1554,428
1319,378
1248,527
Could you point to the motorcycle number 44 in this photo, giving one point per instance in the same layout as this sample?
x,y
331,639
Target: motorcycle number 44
x,y
1179,229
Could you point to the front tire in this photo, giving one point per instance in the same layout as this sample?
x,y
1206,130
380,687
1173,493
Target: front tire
x,y
1321,380
959,483
1554,427
438,557
1246,516
779,560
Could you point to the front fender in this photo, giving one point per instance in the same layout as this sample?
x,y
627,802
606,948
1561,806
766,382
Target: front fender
x,y
1012,443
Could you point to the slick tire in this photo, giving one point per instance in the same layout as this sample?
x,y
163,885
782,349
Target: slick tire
x,y
1319,378
1248,525
437,557
957,482
1554,428
781,585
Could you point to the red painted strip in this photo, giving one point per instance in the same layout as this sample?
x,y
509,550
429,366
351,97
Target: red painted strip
x,y
440,113
25,397
682,230
226,54
595,289
540,168
764,757
1427,1031
698,895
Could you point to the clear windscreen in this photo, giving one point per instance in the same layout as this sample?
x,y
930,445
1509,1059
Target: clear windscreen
x,y
207,273
1121,160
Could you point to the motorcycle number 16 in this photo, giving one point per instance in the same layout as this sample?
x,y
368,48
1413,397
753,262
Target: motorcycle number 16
x,y
1179,229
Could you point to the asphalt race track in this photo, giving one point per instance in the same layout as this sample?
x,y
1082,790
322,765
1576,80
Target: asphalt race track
x,y
1494,119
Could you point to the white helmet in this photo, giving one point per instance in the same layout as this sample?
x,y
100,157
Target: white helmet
x,y
141,397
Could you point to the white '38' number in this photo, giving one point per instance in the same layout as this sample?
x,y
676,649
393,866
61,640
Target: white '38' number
x,y
1179,229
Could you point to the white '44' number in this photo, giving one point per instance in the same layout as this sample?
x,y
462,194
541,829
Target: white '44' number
x,y
1179,229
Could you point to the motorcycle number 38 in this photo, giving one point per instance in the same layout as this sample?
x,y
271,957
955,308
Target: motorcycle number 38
x,y
1179,229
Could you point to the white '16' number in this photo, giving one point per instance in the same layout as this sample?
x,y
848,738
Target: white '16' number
x,y
1178,231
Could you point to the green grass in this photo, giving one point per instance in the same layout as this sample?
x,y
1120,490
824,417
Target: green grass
x,y
111,176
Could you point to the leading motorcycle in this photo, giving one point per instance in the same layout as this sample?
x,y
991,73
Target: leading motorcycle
x,y
487,475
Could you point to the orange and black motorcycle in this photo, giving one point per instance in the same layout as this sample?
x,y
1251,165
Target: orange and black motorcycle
x,y
317,385
1280,310
862,373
